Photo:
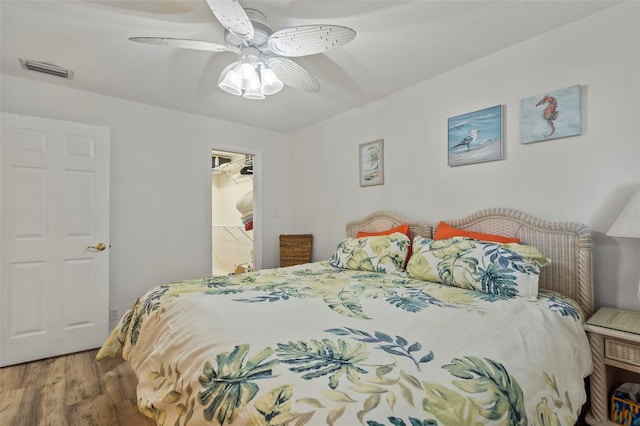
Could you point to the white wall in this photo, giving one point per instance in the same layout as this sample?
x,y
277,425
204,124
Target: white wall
x,y
580,178
161,181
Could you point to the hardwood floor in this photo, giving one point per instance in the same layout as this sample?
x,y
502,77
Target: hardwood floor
x,y
69,390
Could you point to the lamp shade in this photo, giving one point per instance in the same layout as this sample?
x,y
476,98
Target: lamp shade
x,y
250,78
253,93
271,84
231,80
627,223
248,71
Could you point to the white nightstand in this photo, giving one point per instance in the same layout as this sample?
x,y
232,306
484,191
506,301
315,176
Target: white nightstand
x,y
614,335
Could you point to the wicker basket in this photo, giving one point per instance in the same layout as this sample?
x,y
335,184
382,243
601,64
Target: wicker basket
x,y
295,249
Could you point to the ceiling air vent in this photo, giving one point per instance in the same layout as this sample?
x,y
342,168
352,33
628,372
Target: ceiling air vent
x,y
46,68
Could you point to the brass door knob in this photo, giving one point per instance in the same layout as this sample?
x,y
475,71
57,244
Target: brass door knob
x,y
99,246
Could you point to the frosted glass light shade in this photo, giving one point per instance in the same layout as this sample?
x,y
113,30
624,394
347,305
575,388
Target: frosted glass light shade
x,y
271,84
250,78
247,71
231,80
628,222
254,93
253,82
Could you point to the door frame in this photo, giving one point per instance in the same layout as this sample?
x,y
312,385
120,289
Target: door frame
x,y
257,197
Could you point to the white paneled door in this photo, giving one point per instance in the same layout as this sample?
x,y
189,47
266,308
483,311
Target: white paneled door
x,y
54,237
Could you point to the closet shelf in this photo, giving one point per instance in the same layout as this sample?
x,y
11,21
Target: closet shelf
x,y
236,231
242,166
239,170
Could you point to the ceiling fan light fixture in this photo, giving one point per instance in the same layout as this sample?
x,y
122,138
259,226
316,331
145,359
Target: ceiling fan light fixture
x,y
271,84
231,80
264,68
248,71
254,93
250,78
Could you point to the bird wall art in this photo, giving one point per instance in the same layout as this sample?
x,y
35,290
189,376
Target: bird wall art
x,y
476,136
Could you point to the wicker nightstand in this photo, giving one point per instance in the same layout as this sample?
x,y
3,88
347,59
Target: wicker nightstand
x,y
614,335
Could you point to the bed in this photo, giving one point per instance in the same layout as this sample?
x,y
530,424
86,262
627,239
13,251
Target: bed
x,y
320,344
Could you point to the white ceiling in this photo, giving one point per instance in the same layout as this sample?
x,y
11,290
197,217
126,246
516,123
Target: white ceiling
x,y
398,44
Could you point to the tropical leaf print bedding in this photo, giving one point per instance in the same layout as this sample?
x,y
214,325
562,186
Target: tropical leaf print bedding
x,y
315,345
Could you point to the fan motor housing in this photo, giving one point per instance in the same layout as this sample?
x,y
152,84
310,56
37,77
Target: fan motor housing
x,y
261,35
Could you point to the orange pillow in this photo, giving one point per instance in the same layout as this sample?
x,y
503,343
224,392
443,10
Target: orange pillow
x,y
445,231
403,229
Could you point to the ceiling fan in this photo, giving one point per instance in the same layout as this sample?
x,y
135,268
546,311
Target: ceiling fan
x,y
264,66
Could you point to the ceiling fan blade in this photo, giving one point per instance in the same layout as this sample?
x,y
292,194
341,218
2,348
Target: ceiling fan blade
x,y
309,39
293,74
233,17
181,43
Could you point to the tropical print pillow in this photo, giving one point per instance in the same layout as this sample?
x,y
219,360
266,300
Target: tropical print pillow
x,y
493,268
529,253
384,253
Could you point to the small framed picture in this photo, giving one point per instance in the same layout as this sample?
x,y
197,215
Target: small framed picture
x,y
475,137
551,115
372,163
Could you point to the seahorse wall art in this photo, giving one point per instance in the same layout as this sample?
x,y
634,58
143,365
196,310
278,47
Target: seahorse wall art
x,y
552,115
550,112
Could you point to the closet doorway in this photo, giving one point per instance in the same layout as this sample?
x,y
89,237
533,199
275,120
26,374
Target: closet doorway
x,y
232,207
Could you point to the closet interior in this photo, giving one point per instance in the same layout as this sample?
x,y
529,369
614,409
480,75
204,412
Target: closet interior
x,y
232,212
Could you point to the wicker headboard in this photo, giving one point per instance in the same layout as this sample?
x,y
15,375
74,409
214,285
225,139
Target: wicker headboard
x,y
567,244
383,220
